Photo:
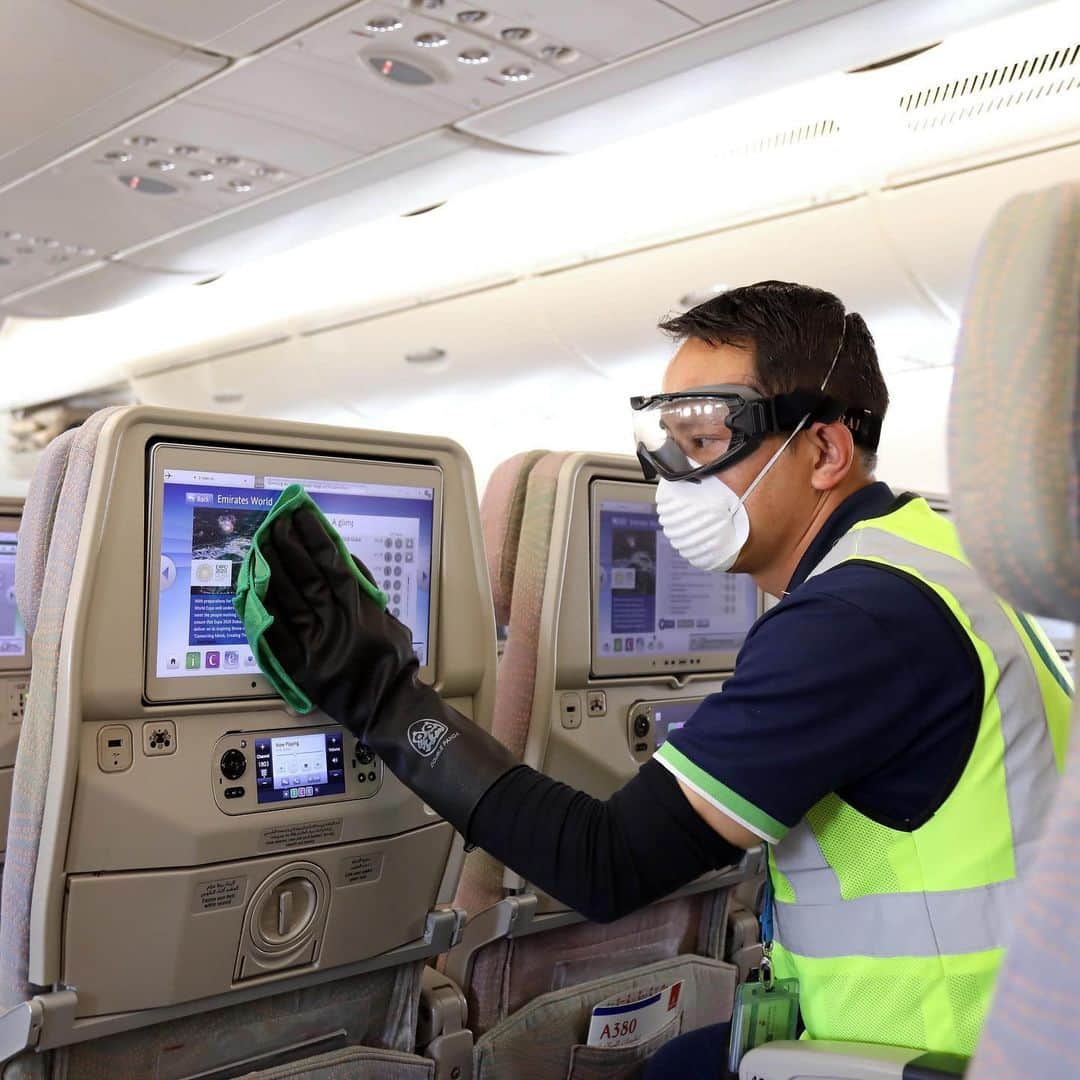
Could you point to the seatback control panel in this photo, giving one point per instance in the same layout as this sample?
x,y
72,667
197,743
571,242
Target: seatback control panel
x,y
649,723
252,771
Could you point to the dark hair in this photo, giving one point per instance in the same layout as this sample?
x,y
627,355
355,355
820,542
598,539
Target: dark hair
x,y
793,331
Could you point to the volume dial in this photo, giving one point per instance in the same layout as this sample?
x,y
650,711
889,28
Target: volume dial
x,y
233,764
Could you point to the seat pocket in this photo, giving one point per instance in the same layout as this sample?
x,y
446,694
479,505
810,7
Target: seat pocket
x,y
542,1040
619,1062
352,1063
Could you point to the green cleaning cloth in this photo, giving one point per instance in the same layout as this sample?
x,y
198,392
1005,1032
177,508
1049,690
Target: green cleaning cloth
x,y
254,580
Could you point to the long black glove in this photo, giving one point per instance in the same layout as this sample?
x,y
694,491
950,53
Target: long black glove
x,y
356,662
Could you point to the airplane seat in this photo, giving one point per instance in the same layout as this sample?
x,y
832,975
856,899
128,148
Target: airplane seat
x,y
530,970
1014,462
33,523
49,536
501,510
1015,459
158,919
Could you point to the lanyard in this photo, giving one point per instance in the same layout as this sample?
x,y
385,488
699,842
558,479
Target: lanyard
x,y
767,930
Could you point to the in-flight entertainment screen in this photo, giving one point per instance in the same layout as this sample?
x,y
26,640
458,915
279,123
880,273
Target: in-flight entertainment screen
x,y
205,519
12,633
651,609
299,766
669,716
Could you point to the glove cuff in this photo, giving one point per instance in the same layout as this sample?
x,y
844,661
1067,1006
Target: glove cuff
x,y
446,759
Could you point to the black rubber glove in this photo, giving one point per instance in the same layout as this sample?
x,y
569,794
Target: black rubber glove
x,y
356,662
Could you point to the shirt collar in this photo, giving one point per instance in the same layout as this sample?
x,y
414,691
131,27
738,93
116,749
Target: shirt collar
x,y
874,500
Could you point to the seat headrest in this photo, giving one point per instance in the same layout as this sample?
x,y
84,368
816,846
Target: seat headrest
x,y
501,510
1014,455
35,529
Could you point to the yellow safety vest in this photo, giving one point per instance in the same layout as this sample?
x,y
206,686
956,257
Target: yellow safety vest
x,y
896,937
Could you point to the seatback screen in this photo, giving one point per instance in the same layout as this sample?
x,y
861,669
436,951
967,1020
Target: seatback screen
x,y
652,609
669,716
12,633
299,766
205,525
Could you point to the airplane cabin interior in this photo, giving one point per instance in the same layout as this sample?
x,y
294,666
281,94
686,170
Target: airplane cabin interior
x,y
411,255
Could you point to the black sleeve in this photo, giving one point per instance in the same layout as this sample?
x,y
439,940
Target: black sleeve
x,y
604,858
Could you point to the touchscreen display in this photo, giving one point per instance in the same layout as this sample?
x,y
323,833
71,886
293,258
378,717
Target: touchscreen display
x,y
299,766
652,601
12,634
208,521
671,716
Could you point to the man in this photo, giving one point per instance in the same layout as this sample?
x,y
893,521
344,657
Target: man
x,y
892,730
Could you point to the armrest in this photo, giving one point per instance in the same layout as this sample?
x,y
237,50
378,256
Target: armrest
x,y
442,1031
808,1059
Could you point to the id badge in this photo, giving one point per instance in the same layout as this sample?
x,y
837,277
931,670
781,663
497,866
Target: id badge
x,y
764,1013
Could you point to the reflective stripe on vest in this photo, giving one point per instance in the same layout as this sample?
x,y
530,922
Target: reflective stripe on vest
x,y
821,923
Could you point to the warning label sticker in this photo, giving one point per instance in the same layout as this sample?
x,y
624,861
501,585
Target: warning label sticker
x,y
293,836
219,893
357,869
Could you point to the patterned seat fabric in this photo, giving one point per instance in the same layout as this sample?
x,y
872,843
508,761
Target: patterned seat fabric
x,y
501,511
1013,439
35,529
53,524
518,513
1015,473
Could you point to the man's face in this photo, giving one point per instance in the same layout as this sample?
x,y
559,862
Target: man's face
x,y
783,504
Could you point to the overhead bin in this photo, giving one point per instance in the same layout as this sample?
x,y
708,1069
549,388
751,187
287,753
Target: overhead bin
x,y
837,247
942,257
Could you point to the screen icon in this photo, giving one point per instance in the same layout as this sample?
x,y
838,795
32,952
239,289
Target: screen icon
x,y
168,572
173,663
618,644
629,644
232,658
193,661
213,659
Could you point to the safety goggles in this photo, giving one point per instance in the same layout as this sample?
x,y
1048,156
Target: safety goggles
x,y
699,432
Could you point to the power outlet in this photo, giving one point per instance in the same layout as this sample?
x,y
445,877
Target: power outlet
x,y
114,748
159,738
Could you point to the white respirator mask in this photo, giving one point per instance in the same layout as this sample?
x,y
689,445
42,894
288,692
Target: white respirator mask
x,y
704,520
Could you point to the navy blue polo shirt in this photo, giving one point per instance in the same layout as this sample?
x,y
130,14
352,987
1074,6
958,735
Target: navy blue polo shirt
x,y
857,682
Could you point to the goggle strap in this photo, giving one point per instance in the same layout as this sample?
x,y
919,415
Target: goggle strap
x,y
772,461
789,409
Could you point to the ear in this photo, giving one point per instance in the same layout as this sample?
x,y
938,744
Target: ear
x,y
834,454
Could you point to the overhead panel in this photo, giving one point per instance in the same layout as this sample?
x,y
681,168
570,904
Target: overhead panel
x,y
87,291
710,11
1015,95
564,30
359,83
235,27
69,76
